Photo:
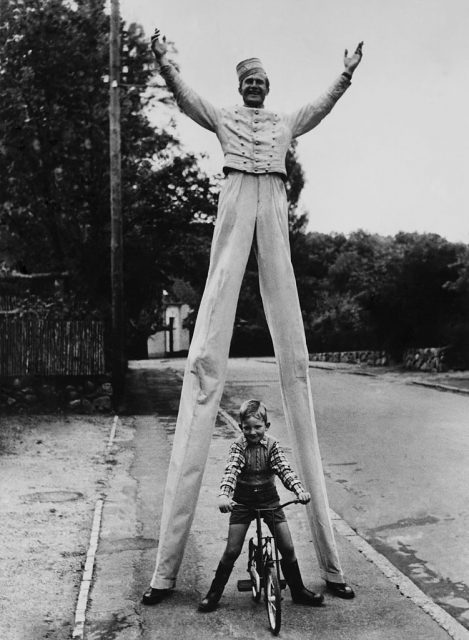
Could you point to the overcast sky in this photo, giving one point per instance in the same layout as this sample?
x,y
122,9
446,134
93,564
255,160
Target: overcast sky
x,y
394,153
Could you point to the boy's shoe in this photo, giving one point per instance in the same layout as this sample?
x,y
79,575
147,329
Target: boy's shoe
x,y
299,593
211,600
305,596
340,589
154,596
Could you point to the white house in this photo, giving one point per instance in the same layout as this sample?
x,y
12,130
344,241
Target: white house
x,y
174,338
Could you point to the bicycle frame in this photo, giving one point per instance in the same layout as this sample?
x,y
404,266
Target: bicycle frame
x,y
264,547
264,543
260,565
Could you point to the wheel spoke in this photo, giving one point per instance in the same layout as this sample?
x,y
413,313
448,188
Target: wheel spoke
x,y
273,600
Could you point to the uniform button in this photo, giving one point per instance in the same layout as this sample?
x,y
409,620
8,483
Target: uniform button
x,y
256,112
257,142
245,161
256,121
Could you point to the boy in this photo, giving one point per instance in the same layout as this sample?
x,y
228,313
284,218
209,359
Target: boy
x,y
254,460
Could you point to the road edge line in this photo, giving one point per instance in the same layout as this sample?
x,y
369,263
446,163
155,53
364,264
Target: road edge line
x,y
404,584
231,422
87,576
112,435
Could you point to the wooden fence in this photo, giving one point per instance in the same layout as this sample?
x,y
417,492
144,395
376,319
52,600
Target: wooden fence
x,y
30,346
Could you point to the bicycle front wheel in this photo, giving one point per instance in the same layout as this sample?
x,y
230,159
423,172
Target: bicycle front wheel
x,y
256,588
273,600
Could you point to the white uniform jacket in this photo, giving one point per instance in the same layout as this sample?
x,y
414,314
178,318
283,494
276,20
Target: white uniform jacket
x,y
253,140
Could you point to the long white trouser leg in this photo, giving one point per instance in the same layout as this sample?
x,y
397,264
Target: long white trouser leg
x,y
205,372
280,298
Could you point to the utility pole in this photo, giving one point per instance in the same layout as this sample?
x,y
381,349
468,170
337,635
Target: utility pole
x,y
117,271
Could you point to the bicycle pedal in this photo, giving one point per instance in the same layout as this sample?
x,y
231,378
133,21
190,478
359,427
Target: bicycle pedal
x,y
244,585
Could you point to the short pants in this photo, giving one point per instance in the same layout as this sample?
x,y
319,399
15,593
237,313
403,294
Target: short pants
x,y
256,497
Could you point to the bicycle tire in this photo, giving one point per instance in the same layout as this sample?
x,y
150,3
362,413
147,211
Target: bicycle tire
x,y
273,599
256,587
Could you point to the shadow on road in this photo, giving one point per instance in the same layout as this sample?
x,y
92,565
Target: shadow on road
x,y
151,391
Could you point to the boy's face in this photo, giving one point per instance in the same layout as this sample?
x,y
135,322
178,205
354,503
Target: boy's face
x,y
254,429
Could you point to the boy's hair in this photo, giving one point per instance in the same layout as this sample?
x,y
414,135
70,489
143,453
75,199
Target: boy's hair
x,y
254,408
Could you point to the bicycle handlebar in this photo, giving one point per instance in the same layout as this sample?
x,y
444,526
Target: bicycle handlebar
x,y
280,506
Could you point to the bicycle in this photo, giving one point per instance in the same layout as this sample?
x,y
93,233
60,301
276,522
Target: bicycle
x,y
264,570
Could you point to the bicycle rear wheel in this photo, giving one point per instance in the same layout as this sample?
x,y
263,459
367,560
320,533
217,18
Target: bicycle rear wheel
x,y
273,599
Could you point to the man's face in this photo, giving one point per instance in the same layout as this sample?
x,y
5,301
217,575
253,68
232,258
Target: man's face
x,y
254,90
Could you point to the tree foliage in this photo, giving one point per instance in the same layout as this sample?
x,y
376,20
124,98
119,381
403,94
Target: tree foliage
x,y
390,293
54,158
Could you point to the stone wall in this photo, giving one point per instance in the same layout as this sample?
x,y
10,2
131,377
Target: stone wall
x,y
433,359
38,394
372,358
430,359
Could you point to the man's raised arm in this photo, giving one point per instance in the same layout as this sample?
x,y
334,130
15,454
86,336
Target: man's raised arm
x,y
311,114
197,108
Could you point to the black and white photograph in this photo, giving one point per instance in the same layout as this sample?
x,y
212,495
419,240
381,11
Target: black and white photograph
x,y
234,320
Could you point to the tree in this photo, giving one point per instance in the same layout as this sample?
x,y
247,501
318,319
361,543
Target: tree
x,y
458,324
413,304
54,158
387,293
53,131
349,270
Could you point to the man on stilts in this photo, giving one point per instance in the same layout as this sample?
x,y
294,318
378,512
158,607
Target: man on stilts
x,y
252,209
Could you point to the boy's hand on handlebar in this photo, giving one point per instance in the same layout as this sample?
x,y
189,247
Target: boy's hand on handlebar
x,y
304,497
225,504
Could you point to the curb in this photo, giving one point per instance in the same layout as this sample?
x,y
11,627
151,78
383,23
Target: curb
x,y
400,581
440,387
422,383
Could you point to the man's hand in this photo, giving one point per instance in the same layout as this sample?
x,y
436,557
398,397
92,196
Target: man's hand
x,y
225,504
304,497
159,47
352,62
